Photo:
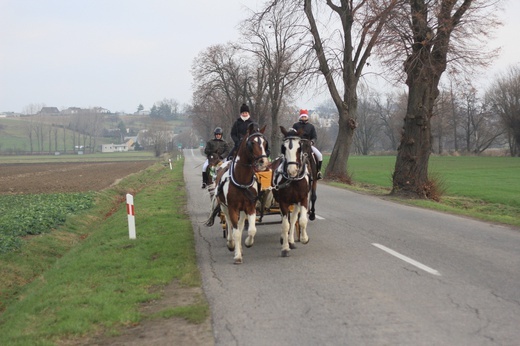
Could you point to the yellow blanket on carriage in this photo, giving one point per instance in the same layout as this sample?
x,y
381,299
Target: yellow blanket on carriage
x,y
265,179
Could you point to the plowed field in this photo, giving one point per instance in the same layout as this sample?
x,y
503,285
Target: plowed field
x,y
64,177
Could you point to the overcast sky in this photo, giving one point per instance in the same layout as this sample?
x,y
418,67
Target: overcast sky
x,y
118,54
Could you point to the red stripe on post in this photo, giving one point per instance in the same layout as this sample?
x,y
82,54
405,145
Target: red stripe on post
x,y
130,209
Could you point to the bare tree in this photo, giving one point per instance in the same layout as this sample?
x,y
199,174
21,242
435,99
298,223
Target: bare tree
x,y
221,84
157,136
391,111
504,98
440,123
369,128
274,37
437,32
361,23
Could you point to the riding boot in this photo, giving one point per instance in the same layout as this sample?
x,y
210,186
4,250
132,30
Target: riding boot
x,y
318,168
204,179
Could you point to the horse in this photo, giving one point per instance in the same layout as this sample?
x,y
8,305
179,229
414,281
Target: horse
x,y
237,189
214,163
291,183
310,159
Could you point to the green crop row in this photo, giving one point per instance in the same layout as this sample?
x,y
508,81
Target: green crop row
x,y
22,215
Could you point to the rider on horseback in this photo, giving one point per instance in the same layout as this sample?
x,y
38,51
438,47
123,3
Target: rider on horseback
x,y
239,128
216,146
309,132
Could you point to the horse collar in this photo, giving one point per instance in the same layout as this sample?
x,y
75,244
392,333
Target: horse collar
x,y
232,176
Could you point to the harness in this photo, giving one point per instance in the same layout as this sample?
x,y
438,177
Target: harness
x,y
254,179
281,172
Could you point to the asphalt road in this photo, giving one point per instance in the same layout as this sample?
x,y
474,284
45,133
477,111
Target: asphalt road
x,y
374,273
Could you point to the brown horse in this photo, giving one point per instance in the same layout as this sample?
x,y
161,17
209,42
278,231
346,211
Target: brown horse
x,y
237,189
290,187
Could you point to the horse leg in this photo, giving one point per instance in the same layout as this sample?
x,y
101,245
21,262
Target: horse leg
x,y
293,218
251,230
237,237
229,226
286,248
211,189
304,238
215,209
261,202
312,214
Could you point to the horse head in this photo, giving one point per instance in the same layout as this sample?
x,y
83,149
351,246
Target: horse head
x,y
254,148
214,162
291,151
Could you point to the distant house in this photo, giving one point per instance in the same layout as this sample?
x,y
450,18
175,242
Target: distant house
x,y
77,110
113,148
71,110
100,110
49,111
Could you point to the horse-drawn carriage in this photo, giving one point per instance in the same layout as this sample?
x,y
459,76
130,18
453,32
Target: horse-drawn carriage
x,y
249,188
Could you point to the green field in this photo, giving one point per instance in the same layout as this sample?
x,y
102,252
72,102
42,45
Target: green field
x,y
491,179
487,188
14,137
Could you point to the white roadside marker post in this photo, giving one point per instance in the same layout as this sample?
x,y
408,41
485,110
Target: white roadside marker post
x,y
170,160
131,215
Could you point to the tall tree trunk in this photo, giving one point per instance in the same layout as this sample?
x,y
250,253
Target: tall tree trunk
x,y
337,167
424,68
411,167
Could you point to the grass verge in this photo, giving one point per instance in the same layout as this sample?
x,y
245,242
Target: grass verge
x,y
101,277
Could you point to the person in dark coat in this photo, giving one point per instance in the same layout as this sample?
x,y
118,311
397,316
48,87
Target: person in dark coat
x,y
309,132
218,146
239,128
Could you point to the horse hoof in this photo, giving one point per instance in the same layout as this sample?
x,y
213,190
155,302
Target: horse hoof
x,y
248,246
306,241
231,247
292,246
238,261
209,223
312,216
285,253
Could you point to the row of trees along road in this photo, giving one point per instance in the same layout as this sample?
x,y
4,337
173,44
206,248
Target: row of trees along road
x,y
291,45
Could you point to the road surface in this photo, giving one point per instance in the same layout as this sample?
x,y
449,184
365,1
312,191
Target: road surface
x,y
374,273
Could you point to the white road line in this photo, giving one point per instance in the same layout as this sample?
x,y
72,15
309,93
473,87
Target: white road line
x,y
319,217
407,259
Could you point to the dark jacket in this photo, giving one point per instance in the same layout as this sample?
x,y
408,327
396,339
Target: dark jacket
x,y
239,130
309,132
216,146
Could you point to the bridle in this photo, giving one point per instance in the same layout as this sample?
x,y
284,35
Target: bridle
x,y
249,146
285,164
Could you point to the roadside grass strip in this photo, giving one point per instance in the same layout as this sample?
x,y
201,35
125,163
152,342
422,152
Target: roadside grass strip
x,y
98,286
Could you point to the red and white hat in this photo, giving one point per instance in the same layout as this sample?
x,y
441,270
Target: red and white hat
x,y
303,113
